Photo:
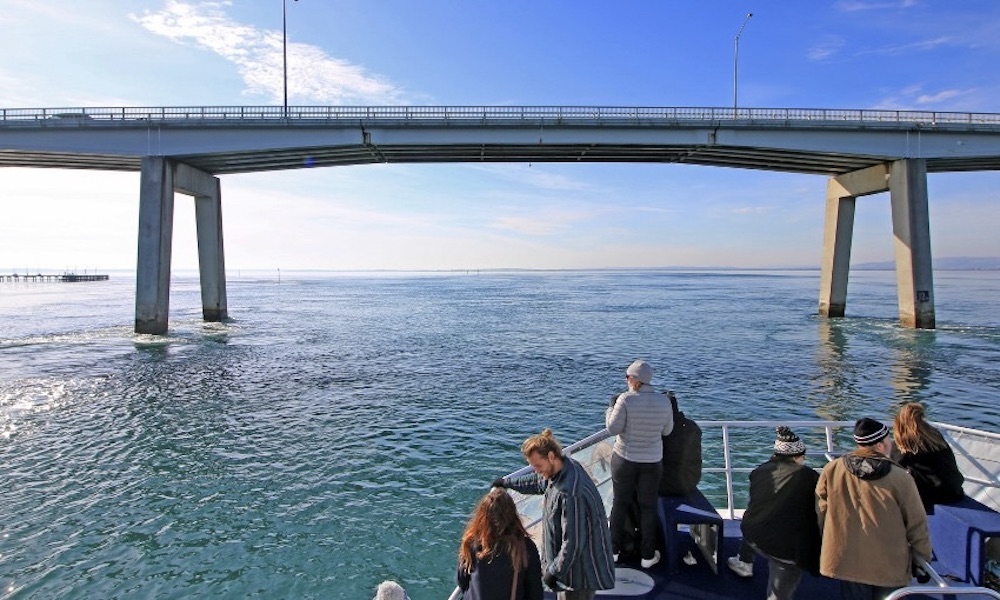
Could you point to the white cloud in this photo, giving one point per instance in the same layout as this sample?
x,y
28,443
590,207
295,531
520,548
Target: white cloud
x,y
915,98
534,176
920,46
549,220
859,5
827,46
527,225
751,210
925,99
313,75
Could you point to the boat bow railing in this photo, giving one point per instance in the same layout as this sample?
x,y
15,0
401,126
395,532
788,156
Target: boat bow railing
x,y
743,446
941,587
828,439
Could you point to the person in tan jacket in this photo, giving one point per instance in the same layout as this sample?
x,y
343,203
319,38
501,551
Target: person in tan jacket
x,y
871,518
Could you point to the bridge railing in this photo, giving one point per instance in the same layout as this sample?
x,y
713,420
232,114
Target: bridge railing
x,y
638,115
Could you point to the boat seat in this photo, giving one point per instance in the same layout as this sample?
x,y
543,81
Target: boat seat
x,y
961,535
705,523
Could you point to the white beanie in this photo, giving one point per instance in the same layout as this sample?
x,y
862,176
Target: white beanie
x,y
641,370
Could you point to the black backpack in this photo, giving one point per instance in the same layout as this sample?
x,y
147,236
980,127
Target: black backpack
x,y
681,455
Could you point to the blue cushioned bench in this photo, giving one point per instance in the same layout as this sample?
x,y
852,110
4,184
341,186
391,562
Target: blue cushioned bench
x,y
692,509
959,534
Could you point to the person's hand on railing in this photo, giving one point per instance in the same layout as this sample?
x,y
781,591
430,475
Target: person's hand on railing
x,y
551,582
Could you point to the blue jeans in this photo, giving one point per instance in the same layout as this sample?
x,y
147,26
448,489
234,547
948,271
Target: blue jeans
x,y
635,482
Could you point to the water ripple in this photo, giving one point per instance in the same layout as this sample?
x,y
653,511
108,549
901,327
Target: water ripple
x,y
338,431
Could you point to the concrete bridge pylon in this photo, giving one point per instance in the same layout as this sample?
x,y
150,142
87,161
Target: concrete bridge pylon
x,y
906,182
160,179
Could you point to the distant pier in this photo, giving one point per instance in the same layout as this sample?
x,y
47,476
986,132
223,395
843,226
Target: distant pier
x,y
65,277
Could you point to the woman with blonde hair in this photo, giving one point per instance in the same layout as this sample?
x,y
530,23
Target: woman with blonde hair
x,y
497,560
928,457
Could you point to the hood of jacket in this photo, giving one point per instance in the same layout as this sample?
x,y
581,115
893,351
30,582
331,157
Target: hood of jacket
x,y
865,463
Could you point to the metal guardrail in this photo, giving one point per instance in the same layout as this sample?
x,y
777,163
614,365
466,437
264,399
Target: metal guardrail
x,y
505,114
728,469
930,590
941,587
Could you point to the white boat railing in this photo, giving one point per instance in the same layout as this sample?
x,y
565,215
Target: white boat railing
x,y
802,428
744,446
946,590
940,588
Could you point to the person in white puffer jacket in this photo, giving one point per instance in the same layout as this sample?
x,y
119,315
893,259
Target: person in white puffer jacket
x,y
640,418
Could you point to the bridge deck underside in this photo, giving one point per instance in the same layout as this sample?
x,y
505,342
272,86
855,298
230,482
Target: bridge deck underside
x,y
221,163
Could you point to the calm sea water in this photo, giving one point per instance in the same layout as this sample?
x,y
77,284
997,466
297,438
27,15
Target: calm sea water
x,y
339,429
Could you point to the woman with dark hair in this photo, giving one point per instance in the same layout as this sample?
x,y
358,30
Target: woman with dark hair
x,y
497,560
928,457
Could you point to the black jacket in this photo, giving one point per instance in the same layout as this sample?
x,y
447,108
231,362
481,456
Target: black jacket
x,y
780,518
491,579
938,479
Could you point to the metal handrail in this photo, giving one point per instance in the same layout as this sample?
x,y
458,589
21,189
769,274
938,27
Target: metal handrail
x,y
924,590
728,469
941,587
551,114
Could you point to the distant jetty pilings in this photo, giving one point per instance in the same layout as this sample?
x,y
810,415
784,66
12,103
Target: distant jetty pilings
x,y
39,277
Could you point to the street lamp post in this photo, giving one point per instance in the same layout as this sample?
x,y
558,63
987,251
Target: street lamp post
x,y
736,62
284,52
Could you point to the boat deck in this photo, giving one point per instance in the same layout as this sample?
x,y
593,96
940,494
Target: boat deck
x,y
965,536
700,581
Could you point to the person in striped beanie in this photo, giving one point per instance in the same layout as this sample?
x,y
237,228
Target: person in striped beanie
x,y
780,521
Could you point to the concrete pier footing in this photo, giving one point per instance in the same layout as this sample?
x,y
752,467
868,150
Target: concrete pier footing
x,y
906,182
159,180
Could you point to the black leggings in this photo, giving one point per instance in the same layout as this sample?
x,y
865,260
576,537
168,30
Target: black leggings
x,y
639,482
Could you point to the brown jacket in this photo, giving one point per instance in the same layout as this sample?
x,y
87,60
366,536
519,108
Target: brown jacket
x,y
871,519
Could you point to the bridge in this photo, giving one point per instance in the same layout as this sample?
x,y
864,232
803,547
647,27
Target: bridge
x,y
184,149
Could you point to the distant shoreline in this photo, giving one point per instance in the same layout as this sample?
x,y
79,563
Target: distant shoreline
x,y
943,264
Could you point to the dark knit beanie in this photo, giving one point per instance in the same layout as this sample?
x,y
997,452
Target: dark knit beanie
x,y
787,443
869,431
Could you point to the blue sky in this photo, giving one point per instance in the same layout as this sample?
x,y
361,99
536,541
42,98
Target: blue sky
x,y
898,54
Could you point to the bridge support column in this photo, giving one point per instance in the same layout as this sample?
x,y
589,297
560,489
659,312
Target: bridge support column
x,y
836,261
207,193
841,195
911,230
156,225
906,182
160,179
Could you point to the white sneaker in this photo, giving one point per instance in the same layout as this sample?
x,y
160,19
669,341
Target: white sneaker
x,y
689,559
616,555
649,562
743,569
